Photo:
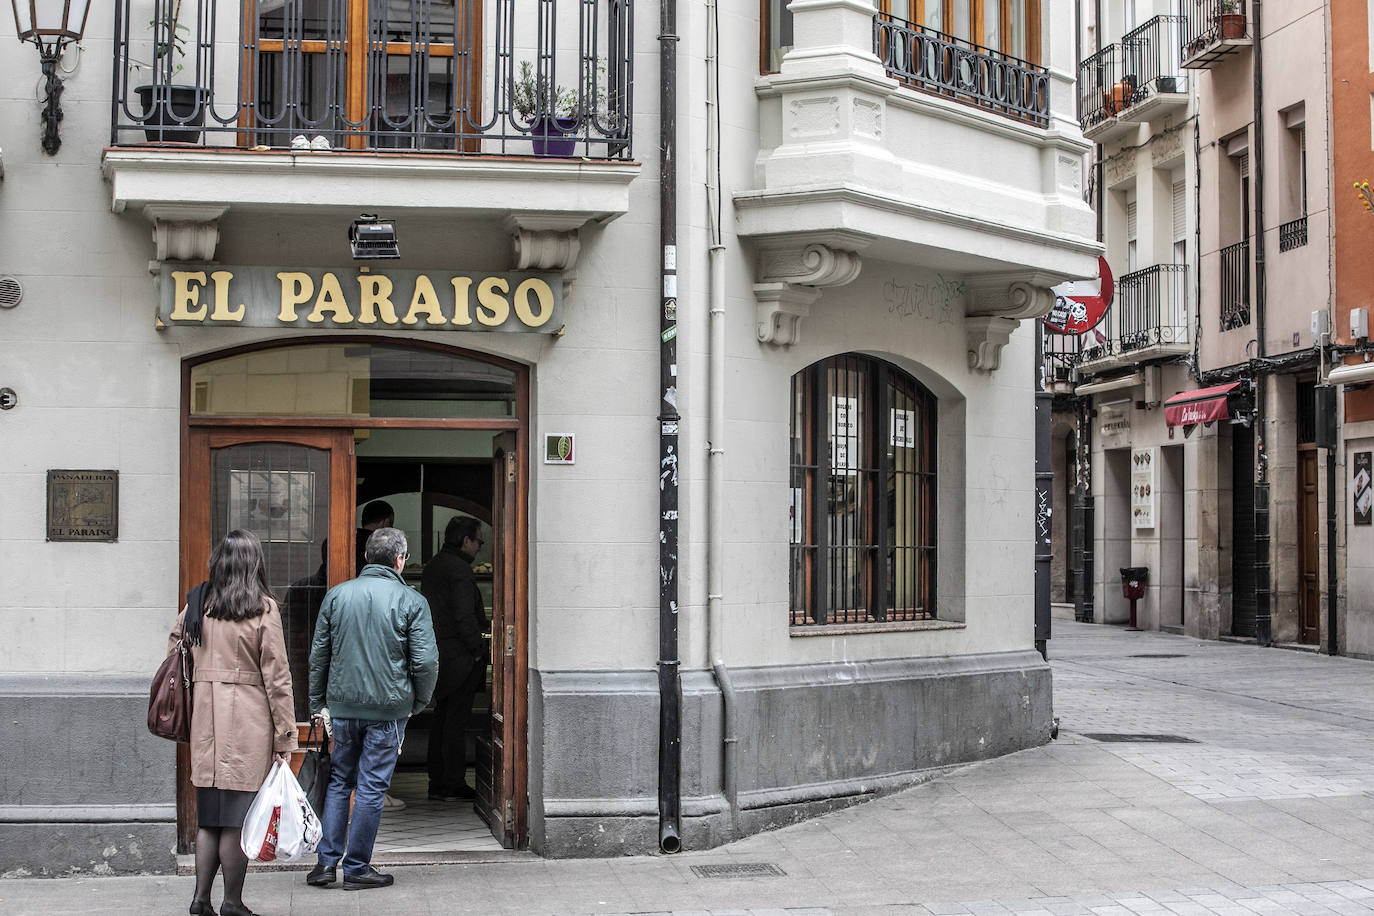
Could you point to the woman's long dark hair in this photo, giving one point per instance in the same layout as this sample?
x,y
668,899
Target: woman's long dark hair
x,y
238,578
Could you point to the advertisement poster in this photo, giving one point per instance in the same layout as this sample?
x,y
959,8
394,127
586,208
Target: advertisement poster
x,y
1361,491
1143,487
844,440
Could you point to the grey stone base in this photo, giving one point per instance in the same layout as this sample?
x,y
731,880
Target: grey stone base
x,y
84,788
810,739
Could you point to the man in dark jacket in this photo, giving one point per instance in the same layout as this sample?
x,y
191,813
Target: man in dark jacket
x,y
373,663
460,619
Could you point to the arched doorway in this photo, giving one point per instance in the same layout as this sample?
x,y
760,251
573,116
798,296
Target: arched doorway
x,y
294,438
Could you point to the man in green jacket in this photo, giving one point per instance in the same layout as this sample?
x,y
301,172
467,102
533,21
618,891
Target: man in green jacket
x,y
373,663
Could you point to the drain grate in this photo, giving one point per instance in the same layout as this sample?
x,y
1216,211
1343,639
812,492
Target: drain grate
x,y
1124,738
739,870
1158,655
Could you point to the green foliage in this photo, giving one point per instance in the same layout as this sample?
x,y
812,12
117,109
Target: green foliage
x,y
531,96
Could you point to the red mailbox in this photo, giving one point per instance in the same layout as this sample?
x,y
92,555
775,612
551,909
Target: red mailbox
x,y
1133,582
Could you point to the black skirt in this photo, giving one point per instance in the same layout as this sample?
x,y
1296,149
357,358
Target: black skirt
x,y
222,807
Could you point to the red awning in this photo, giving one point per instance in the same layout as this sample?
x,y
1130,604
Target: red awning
x,y
1201,406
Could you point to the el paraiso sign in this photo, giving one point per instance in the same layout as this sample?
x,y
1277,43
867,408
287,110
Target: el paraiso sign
x,y
360,298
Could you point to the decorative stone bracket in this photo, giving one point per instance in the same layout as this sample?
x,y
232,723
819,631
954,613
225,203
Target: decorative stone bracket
x,y
790,280
546,241
996,305
185,232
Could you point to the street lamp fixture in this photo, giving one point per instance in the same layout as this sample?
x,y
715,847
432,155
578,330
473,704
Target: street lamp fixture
x,y
51,25
373,238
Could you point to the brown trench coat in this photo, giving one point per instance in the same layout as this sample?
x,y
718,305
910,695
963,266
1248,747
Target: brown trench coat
x,y
242,709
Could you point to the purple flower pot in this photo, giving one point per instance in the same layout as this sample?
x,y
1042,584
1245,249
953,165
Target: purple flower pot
x,y
549,137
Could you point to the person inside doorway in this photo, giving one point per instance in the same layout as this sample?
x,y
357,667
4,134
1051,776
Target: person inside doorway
x,y
376,514
460,620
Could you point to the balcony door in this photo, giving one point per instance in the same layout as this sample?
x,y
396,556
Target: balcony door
x,y
364,74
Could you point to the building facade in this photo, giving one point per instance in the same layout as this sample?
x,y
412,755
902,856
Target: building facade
x,y
757,487
1197,397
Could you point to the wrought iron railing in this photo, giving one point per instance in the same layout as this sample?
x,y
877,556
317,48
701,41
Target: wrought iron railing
x,y
1152,307
1144,63
1206,22
1150,58
1098,79
942,64
1061,356
508,77
1235,286
1293,234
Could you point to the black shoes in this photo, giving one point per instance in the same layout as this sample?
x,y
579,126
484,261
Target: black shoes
x,y
366,880
464,792
202,908
321,876
231,909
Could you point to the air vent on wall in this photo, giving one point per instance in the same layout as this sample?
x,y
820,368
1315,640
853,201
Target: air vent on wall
x,y
11,291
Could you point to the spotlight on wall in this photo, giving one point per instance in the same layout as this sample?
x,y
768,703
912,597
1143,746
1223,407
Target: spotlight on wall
x,y
373,238
51,26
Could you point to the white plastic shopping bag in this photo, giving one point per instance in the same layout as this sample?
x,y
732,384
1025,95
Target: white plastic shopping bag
x,y
280,825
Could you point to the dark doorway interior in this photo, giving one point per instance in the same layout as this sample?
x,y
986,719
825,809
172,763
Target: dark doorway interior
x,y
1242,531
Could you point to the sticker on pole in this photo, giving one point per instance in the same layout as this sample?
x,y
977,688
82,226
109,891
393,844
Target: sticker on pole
x,y
1080,305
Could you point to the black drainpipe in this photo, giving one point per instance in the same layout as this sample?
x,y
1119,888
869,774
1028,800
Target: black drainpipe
x,y
1263,623
1044,481
669,697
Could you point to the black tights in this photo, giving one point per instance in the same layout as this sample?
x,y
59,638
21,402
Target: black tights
x,y
217,848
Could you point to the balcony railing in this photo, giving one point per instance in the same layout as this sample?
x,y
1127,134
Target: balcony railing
x,y
1152,307
1293,234
1150,58
1119,76
1206,23
1235,286
942,64
1061,356
508,77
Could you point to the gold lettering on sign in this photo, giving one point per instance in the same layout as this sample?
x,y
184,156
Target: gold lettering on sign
x,y
222,311
302,289
186,305
492,307
425,302
462,309
376,299
541,292
331,300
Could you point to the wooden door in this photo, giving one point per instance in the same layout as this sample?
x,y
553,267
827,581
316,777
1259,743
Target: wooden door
x,y
294,489
1309,548
501,799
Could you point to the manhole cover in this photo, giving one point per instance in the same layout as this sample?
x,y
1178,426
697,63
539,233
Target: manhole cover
x,y
1158,655
1123,738
740,870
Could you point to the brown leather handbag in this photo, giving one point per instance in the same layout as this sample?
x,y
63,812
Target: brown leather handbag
x,y
169,698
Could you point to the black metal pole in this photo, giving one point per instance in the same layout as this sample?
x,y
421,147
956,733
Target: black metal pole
x,y
669,697
1044,482
1332,644
1263,621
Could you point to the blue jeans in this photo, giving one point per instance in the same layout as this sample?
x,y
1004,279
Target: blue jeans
x,y
364,757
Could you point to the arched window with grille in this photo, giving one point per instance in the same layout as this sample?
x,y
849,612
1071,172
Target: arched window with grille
x,y
862,534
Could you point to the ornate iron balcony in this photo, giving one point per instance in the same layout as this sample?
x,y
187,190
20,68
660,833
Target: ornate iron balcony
x,y
934,62
1293,234
1120,76
1098,79
1152,307
1235,286
1210,29
505,77
1061,356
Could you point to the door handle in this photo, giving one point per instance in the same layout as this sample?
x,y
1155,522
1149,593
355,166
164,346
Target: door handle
x,y
510,640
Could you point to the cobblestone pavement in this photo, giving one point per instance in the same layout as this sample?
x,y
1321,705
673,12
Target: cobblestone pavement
x,y
1244,784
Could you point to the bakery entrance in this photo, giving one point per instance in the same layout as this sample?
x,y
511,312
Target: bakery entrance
x,y
311,445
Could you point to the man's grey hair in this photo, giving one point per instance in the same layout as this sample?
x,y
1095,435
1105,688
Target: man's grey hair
x,y
385,545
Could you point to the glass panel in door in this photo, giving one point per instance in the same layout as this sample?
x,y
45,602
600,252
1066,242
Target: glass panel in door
x,y
281,493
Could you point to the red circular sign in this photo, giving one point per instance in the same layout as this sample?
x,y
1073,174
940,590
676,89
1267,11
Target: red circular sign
x,y
1076,311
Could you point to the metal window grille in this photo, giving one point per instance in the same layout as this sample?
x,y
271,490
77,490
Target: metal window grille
x,y
863,494
1235,286
1293,234
934,62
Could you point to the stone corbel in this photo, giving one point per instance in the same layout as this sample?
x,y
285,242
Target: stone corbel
x,y
790,281
546,242
185,232
997,303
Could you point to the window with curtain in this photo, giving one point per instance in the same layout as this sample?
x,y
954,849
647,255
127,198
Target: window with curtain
x,y
862,515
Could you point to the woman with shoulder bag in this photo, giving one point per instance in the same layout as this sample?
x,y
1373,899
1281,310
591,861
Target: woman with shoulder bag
x,y
242,711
